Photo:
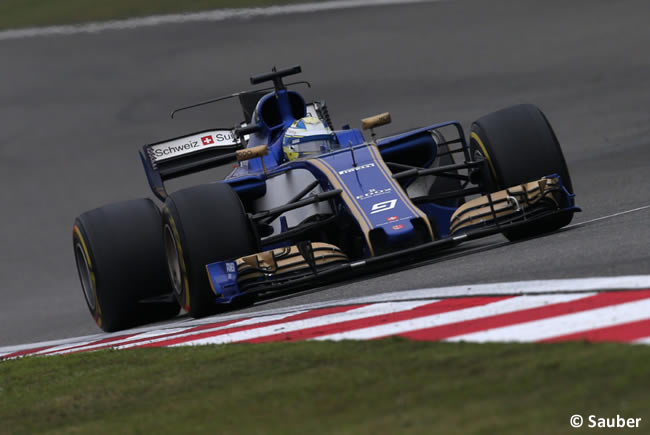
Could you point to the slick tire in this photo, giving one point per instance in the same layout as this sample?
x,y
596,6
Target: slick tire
x,y
520,146
120,259
203,224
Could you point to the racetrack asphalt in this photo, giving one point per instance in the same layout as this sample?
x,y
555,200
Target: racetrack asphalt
x,y
75,109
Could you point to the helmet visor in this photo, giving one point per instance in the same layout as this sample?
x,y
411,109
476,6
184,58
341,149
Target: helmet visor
x,y
312,147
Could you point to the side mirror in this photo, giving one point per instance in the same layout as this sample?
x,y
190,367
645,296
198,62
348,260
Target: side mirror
x,y
251,153
375,121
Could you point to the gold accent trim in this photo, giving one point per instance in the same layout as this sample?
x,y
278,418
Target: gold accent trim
x,y
479,211
348,198
375,121
98,311
485,154
288,259
398,189
251,153
181,259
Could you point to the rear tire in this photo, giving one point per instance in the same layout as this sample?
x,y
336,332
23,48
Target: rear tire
x,y
520,146
203,224
120,259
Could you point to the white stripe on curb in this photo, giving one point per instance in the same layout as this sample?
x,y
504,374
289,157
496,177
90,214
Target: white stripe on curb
x,y
562,325
354,314
207,16
495,308
168,334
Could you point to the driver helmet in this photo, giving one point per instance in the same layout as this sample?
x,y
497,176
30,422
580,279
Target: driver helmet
x,y
308,136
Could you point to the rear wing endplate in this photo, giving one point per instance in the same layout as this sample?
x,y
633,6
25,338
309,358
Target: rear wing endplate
x,y
188,154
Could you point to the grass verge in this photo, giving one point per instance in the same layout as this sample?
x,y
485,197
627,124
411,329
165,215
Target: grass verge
x,y
36,13
388,386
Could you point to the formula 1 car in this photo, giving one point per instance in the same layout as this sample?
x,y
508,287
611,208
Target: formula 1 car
x,y
308,203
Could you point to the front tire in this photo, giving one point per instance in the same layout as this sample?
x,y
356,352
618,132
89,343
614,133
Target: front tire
x,y
120,260
520,146
203,224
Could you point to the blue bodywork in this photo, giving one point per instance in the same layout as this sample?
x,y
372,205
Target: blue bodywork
x,y
383,214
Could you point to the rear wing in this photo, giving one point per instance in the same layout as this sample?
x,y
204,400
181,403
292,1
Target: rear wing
x,y
203,150
188,154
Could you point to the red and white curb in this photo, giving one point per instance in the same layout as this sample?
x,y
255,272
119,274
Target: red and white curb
x,y
594,309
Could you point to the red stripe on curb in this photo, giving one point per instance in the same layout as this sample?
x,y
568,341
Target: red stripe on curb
x,y
624,332
301,316
527,315
437,307
24,352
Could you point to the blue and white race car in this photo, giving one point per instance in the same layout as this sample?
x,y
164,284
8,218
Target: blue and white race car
x,y
308,203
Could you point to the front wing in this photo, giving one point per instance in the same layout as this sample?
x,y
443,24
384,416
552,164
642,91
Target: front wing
x,y
309,262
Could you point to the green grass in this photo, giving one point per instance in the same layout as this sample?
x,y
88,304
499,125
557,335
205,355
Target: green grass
x,y
34,13
388,386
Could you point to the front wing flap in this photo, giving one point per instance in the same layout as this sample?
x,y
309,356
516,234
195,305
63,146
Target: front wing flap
x,y
275,267
521,202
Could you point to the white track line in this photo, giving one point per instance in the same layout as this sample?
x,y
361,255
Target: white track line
x,y
645,207
515,288
207,16
562,325
492,309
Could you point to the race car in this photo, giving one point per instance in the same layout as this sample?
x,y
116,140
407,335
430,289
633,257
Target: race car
x,y
308,203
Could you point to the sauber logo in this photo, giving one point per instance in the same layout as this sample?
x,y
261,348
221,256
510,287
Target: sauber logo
x,y
383,206
391,219
207,140
398,227
357,168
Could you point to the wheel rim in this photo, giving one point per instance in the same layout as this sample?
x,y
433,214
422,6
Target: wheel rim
x,y
85,277
173,260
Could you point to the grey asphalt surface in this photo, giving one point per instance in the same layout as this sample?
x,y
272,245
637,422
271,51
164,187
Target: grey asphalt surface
x,y
75,110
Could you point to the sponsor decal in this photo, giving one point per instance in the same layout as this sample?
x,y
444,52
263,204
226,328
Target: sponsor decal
x,y
398,227
170,150
231,267
207,140
191,144
225,137
357,168
394,220
383,206
374,192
